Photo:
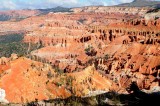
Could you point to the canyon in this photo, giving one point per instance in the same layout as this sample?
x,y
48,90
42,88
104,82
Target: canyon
x,y
85,52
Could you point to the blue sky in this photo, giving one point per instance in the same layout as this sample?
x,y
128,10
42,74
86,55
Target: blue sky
x,y
34,4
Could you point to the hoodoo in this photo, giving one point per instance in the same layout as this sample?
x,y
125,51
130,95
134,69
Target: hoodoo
x,y
92,55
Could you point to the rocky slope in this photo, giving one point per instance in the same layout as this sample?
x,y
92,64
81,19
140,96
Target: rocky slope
x,y
34,80
112,10
85,15
142,3
75,49
91,51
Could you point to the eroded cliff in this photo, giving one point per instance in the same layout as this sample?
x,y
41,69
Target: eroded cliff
x,y
90,51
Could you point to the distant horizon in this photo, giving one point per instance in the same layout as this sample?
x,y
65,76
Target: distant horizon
x,y
45,4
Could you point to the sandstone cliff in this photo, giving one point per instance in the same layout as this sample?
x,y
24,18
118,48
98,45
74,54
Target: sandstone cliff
x,y
90,51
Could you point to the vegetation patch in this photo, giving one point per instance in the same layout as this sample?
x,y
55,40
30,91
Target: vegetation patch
x,y
13,44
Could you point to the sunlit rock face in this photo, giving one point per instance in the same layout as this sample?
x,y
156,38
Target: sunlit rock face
x,y
27,80
113,10
132,49
86,52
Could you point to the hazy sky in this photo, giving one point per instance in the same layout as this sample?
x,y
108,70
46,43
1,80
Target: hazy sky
x,y
34,4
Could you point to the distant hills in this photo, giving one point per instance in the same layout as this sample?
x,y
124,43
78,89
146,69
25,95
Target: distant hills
x,y
142,3
56,9
17,15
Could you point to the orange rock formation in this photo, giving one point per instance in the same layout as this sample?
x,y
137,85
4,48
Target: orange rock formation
x,y
96,48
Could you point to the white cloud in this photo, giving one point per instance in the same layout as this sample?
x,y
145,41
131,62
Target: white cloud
x,y
34,4
62,1
8,4
65,3
37,4
106,2
125,1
